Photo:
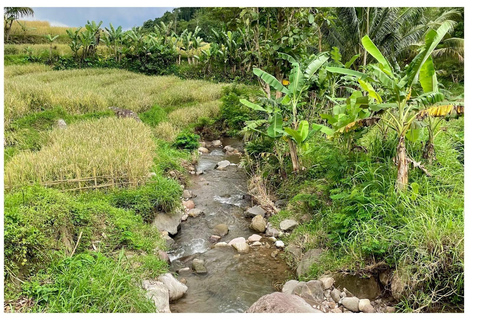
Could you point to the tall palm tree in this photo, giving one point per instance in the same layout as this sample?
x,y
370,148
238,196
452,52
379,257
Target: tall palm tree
x,y
11,14
383,25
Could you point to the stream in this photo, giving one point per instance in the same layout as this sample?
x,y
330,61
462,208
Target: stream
x,y
234,281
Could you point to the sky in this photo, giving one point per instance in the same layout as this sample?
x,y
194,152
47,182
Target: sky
x,y
76,17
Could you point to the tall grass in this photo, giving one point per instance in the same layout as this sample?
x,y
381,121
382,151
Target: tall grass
x,y
37,28
185,116
122,147
90,90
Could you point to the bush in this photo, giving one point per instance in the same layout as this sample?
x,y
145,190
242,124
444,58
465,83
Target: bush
x,y
232,112
187,140
154,116
88,282
146,201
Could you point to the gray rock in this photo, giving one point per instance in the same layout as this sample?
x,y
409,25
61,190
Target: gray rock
x,y
220,230
271,231
183,270
336,310
256,244
258,224
327,282
61,124
185,217
335,294
222,165
385,277
241,247
390,309
216,143
312,292
237,240
294,251
289,286
162,255
158,292
364,305
228,149
189,204
198,266
351,303
278,302
361,287
288,225
169,222
214,238
221,245
254,238
194,213
279,244
176,289
398,286
255,211
310,258
203,150
280,203
187,194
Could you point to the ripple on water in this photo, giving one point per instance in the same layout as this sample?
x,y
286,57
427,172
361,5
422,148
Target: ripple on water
x,y
188,249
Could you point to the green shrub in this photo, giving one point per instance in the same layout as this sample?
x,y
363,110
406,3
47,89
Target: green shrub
x,y
232,112
153,116
187,140
146,201
88,282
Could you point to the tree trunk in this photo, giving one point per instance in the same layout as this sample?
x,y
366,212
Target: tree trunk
x,y
319,39
429,151
293,155
402,165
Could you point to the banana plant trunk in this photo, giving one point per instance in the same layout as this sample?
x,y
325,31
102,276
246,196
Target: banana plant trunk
x,y
294,155
402,165
429,151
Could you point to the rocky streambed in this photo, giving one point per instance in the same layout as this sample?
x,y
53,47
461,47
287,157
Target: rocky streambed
x,y
226,257
216,252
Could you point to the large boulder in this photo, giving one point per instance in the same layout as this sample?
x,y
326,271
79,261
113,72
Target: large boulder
x,y
361,287
176,289
169,222
158,292
311,292
258,224
288,225
310,258
222,165
279,302
255,211
289,286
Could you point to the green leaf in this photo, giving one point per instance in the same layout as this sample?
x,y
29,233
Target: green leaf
x,y
371,92
288,57
303,129
294,134
351,61
252,105
328,131
275,128
414,132
310,18
270,80
314,66
382,106
373,50
347,72
432,39
296,81
427,76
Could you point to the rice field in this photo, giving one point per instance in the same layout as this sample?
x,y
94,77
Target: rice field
x,y
37,28
33,88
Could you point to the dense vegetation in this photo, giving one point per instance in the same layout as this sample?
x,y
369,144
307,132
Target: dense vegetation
x,y
357,124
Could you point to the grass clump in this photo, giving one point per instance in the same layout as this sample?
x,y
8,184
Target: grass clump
x,y
183,117
146,201
166,131
187,140
122,147
88,282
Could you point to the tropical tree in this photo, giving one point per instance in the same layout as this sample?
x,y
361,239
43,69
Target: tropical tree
x,y
11,14
398,86
113,38
293,129
50,41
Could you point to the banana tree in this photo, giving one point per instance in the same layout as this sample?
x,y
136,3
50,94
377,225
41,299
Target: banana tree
x,y
113,38
51,40
398,86
295,131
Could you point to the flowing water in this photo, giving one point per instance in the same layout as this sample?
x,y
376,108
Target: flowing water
x,y
234,281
